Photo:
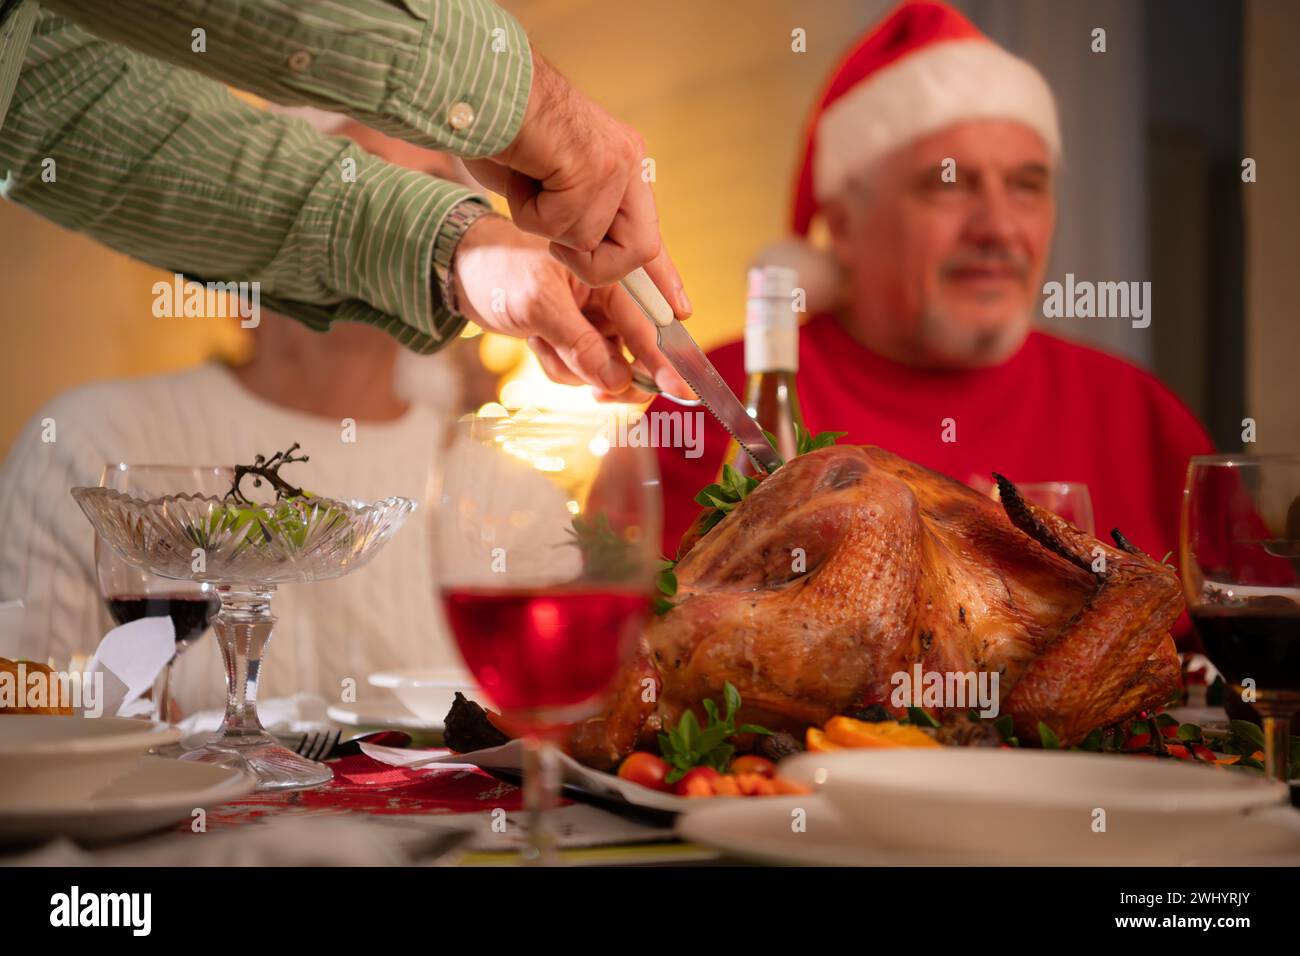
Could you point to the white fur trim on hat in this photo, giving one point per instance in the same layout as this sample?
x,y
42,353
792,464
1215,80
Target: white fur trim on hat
x,y
954,81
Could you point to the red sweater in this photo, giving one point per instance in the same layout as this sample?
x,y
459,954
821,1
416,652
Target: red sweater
x,y
1055,411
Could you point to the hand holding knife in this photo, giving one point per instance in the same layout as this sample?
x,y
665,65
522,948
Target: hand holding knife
x,y
692,364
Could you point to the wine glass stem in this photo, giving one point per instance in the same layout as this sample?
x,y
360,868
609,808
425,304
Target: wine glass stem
x,y
243,629
162,694
1277,731
541,771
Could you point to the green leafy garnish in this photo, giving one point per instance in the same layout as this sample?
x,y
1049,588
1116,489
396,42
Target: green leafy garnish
x,y
606,555
723,496
688,745
921,717
732,488
1006,728
1047,737
806,441
1092,743
666,581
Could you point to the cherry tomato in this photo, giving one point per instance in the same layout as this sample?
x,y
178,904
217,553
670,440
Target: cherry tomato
x,y
646,769
751,763
697,783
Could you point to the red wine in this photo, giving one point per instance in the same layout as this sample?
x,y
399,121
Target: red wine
x,y
1259,642
190,613
544,648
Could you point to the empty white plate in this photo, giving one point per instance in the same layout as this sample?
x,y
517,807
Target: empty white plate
x,y
70,758
807,831
155,793
1011,803
382,713
427,692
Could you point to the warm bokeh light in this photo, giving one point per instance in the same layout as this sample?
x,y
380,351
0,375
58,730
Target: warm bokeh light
x,y
524,384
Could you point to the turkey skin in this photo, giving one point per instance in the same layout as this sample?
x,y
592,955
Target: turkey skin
x,y
851,565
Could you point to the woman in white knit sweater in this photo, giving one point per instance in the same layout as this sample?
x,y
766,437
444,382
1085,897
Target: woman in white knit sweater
x,y
299,387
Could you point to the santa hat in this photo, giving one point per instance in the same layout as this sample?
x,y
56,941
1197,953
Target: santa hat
x,y
923,68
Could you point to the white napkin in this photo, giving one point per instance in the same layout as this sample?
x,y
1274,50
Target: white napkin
x,y
130,658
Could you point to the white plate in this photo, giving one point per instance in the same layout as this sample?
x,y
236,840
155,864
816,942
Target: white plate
x,y
42,754
762,830
427,692
155,793
382,713
1008,803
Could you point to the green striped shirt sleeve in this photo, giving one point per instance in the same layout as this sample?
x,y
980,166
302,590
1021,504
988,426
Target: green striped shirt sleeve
x,y
397,65
159,161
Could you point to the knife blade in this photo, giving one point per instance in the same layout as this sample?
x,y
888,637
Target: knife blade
x,y
694,366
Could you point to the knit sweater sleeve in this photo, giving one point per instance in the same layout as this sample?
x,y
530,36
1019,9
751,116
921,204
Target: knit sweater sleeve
x,y
47,546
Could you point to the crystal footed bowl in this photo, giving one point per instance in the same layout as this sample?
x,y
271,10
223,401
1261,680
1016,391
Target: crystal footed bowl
x,y
246,551
205,538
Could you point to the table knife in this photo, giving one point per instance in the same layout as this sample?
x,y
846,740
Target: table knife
x,y
692,364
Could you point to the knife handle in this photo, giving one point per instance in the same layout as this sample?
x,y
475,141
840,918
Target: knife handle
x,y
647,295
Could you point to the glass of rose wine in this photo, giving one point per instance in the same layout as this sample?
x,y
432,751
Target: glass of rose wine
x,y
546,553
1240,566
132,593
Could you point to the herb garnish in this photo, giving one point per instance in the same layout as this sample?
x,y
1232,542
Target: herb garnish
x,y
723,495
688,745
606,554
1159,734
666,581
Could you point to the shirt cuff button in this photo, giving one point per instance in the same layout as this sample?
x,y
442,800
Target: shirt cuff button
x,y
460,116
299,61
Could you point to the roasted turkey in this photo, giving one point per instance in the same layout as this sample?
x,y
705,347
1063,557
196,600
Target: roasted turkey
x,y
899,565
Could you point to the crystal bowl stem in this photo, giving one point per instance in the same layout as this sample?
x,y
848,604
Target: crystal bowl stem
x,y
243,628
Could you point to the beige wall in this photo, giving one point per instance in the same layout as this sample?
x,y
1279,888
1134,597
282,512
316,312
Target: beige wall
x,y
72,311
1272,87
721,100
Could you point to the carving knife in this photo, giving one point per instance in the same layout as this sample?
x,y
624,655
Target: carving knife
x,y
692,364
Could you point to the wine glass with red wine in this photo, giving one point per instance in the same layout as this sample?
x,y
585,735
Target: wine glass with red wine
x,y
546,553
1240,565
1068,499
132,593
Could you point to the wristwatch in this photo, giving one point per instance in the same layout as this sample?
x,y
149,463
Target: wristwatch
x,y
454,225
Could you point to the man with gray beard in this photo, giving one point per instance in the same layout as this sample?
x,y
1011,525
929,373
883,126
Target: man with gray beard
x,y
927,186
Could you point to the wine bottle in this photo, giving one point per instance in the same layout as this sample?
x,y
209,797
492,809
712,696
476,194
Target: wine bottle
x,y
771,362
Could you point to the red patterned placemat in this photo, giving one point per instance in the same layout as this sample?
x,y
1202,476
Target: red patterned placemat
x,y
364,785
